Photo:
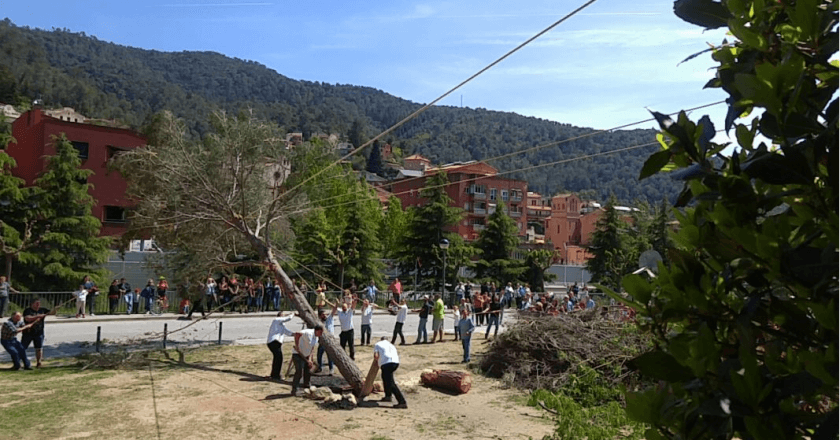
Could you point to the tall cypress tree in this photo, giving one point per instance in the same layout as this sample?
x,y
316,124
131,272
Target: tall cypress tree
x,y
360,242
607,264
497,242
70,246
374,161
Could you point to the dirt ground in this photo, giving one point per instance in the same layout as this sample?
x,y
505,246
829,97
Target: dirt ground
x,y
223,393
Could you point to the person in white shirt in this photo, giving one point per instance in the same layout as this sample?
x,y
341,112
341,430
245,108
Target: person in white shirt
x,y
305,341
345,318
367,320
402,313
81,296
276,334
386,354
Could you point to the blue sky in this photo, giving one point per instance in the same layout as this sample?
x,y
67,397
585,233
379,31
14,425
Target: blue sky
x,y
602,68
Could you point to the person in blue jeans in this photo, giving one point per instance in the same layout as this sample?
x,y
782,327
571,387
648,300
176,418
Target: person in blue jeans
x,y
493,310
424,311
329,327
8,338
466,328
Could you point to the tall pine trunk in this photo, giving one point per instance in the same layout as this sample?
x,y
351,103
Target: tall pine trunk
x,y
346,366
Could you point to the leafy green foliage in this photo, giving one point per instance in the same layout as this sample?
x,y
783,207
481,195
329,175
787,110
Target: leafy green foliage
x,y
428,225
393,227
575,420
538,261
497,243
746,314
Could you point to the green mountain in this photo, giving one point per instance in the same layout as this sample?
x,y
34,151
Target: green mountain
x,y
110,81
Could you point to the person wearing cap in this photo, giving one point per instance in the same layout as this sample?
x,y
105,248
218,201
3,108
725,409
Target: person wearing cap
x,y
424,312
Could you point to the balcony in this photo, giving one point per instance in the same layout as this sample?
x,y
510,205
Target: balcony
x,y
478,227
480,211
480,196
515,214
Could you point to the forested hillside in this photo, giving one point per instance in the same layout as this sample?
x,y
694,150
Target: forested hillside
x,y
106,80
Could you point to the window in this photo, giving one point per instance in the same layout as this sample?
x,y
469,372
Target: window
x,y
114,214
492,193
504,195
82,148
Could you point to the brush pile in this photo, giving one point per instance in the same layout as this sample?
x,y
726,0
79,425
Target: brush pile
x,y
552,352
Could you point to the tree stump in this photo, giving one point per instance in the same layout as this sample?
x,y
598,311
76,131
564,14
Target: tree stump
x,y
456,381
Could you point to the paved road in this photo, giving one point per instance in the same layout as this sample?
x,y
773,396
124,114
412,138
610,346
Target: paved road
x,y
66,336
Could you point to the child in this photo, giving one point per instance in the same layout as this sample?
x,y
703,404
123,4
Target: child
x,y
184,307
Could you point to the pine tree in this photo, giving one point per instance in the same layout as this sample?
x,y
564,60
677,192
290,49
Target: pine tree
x,y
70,245
420,246
393,227
607,264
374,161
659,233
360,243
497,243
15,218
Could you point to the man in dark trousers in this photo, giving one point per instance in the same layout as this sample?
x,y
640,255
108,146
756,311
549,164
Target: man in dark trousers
x,y
35,315
386,355
305,341
276,334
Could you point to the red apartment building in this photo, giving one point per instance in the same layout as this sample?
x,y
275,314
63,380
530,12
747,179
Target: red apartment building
x,y
475,188
34,131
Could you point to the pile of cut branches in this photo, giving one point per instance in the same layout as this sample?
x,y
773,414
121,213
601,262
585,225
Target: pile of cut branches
x,y
579,351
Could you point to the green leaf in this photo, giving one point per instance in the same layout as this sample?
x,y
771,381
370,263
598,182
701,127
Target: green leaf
x,y
638,288
746,35
707,13
661,366
654,163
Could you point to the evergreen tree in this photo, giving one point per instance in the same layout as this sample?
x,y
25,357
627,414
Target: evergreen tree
x,y
70,246
497,243
315,243
393,227
360,243
658,231
420,246
15,218
374,161
358,133
607,264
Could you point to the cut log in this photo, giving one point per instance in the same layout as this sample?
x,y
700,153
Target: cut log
x,y
371,377
456,381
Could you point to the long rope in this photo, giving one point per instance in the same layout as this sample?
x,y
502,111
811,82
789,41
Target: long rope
x,y
430,104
